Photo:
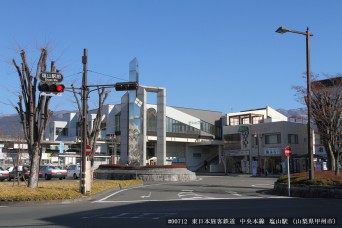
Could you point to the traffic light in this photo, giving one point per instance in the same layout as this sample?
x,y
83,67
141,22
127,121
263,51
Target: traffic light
x,y
122,86
56,88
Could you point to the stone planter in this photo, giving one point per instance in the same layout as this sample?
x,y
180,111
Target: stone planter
x,y
151,174
308,191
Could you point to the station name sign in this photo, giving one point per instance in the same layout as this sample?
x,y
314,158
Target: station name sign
x,y
51,77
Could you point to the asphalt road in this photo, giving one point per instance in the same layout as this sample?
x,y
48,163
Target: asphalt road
x,y
210,201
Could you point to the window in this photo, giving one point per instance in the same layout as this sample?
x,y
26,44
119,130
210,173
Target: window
x,y
233,121
78,128
257,119
245,120
232,141
273,139
103,126
292,139
62,131
117,122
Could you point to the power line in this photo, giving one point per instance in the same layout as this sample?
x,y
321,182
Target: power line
x,y
73,74
107,75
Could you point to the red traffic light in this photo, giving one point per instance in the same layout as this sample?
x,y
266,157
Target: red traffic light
x,y
57,88
60,88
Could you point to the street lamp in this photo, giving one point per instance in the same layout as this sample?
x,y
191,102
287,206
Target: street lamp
x,y
307,34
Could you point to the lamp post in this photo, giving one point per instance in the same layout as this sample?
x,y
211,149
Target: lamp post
x,y
307,34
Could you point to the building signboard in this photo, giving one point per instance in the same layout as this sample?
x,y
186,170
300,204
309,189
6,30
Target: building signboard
x,y
272,151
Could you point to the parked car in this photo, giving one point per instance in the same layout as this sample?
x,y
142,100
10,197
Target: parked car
x,y
23,173
74,171
9,169
4,174
52,171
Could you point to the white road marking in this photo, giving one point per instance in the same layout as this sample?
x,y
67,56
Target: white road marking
x,y
234,193
186,194
147,196
262,185
208,198
122,190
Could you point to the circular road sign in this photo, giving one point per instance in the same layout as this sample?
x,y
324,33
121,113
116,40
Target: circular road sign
x,y
88,150
287,151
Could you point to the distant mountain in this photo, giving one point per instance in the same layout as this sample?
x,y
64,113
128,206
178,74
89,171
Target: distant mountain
x,y
10,125
291,113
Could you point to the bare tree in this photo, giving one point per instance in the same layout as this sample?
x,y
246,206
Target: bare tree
x,y
93,133
33,111
327,112
326,105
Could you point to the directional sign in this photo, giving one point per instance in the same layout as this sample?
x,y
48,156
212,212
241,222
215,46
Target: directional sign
x,y
51,77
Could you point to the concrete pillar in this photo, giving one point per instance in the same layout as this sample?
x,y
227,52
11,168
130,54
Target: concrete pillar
x,y
124,129
161,127
142,143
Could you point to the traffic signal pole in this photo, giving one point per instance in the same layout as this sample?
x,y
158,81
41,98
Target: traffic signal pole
x,y
84,121
120,86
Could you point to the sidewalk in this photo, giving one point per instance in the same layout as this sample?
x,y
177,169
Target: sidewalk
x,y
236,174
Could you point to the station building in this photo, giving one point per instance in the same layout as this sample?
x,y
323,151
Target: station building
x,y
192,136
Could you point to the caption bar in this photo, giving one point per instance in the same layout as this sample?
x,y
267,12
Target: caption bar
x,y
252,221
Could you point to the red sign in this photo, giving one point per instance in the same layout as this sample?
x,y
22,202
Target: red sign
x,y
287,151
88,150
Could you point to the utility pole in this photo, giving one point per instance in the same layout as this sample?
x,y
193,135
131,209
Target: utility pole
x,y
84,122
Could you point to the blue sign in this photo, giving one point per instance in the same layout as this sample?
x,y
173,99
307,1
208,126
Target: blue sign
x,y
61,147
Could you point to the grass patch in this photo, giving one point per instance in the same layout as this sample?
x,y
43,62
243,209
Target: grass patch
x,y
323,178
56,190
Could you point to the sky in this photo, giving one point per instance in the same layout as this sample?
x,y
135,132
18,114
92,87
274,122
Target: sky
x,y
219,55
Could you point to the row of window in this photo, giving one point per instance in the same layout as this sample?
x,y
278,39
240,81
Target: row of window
x,y
172,126
245,119
268,139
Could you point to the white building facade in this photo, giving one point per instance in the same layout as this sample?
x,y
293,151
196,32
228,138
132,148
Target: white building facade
x,y
192,136
254,142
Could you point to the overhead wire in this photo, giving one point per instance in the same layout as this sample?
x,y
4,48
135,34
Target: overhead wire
x,y
107,75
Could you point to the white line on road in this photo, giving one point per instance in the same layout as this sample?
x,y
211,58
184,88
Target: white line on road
x,y
195,198
122,190
261,185
147,196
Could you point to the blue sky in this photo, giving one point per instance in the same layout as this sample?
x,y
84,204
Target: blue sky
x,y
220,55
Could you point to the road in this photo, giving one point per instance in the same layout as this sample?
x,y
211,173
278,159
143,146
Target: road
x,y
222,200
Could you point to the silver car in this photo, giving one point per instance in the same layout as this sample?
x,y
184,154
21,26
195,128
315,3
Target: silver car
x,y
74,171
53,171
4,174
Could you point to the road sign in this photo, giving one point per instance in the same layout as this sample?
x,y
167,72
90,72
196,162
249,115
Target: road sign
x,y
61,147
51,77
88,150
287,151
